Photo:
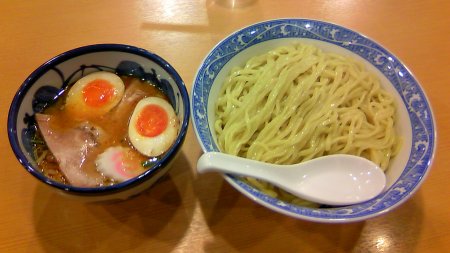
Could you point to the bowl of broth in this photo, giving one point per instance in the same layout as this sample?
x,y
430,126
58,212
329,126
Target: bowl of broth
x,y
290,90
100,122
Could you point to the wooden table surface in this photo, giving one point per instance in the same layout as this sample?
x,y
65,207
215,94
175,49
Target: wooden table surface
x,y
190,213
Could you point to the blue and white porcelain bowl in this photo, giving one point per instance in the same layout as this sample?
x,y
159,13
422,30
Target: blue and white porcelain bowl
x,y
47,82
415,117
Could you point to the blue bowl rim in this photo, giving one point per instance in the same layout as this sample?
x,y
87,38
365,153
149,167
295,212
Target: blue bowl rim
x,y
103,190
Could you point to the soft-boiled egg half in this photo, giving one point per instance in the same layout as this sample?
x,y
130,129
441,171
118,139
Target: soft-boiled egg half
x,y
153,126
94,95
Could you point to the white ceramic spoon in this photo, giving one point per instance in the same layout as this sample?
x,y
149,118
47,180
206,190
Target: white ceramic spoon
x,y
333,180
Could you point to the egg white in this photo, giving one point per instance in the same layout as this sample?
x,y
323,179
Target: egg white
x,y
153,146
75,102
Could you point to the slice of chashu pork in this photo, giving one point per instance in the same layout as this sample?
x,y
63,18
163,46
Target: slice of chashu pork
x,y
70,147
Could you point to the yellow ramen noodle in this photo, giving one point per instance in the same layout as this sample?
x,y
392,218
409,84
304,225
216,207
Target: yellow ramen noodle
x,y
296,103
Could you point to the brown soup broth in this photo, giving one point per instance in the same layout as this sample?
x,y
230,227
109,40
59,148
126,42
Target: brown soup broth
x,y
114,126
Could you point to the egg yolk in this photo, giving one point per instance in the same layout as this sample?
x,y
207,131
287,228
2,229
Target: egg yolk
x,y
152,121
98,92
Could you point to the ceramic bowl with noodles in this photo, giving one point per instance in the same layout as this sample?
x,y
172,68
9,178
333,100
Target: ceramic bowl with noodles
x,y
245,54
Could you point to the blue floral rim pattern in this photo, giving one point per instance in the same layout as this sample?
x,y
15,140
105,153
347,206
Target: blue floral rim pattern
x,y
419,110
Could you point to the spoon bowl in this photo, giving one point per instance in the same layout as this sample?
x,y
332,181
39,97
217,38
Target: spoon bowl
x,y
333,180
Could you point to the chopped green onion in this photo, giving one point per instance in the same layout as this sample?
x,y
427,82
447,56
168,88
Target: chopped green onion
x,y
42,157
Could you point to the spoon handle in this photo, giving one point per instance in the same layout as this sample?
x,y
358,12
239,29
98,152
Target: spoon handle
x,y
225,163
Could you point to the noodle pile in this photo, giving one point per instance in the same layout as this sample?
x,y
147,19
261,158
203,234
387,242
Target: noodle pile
x,y
296,103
